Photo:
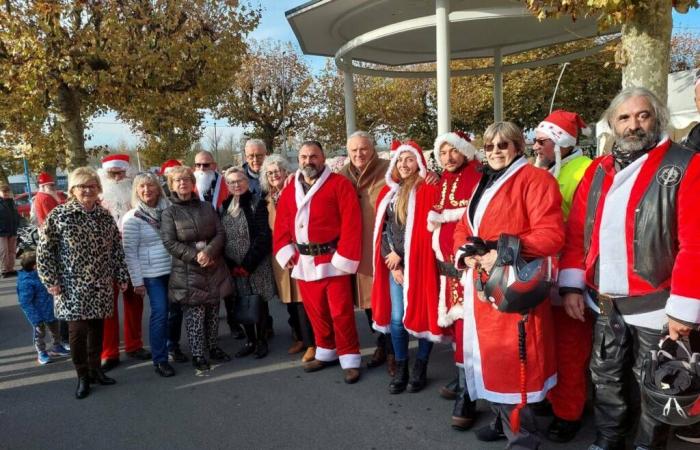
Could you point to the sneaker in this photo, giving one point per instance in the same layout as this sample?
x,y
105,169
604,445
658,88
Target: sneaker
x,y
691,433
43,358
177,355
491,432
200,363
59,350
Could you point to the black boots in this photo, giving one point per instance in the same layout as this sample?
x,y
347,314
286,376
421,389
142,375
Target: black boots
x,y
400,381
83,389
97,376
261,349
561,430
419,376
218,355
464,412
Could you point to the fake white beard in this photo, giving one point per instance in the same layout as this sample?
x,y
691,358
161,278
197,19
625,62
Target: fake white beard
x,y
204,179
116,196
542,163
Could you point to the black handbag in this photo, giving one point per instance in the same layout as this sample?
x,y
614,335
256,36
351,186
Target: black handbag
x,y
247,309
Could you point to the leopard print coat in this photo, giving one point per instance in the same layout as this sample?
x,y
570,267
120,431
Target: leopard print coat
x,y
81,251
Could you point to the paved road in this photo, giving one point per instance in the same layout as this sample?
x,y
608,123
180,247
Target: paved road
x,y
243,404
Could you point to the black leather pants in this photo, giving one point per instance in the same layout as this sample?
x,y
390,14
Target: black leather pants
x,y
616,363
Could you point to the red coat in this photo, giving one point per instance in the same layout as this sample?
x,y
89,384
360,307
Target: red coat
x,y
44,203
525,201
329,211
421,283
614,217
451,201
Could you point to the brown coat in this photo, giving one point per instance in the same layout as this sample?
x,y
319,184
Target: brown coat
x,y
368,184
287,288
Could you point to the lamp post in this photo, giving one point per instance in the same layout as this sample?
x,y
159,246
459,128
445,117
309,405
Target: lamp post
x,y
284,101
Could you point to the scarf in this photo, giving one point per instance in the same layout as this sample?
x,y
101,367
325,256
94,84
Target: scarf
x,y
490,176
234,208
624,159
153,214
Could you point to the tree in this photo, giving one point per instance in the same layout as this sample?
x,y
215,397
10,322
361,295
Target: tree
x,y
64,61
685,51
271,92
646,33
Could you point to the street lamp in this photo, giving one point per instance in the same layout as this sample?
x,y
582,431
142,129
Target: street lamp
x,y
284,117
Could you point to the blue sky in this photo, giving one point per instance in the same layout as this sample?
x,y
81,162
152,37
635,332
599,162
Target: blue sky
x,y
107,130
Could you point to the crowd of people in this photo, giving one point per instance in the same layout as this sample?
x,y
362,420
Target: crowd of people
x,y
466,257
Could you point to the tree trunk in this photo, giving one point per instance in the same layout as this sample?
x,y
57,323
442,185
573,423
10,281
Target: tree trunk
x,y
71,121
646,48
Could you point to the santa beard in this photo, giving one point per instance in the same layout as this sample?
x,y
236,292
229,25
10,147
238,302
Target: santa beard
x,y
542,162
204,179
116,196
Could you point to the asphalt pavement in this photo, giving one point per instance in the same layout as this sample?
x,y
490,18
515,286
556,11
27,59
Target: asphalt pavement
x,y
242,404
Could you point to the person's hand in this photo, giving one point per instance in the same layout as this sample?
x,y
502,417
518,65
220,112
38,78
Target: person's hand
x,y
471,261
488,260
54,290
432,178
398,276
203,259
676,329
123,287
574,306
140,290
289,265
392,261
475,246
288,180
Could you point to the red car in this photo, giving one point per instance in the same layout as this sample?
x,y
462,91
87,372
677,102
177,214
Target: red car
x,y
24,204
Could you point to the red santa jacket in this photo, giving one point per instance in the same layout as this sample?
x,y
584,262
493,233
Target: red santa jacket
x,y
451,201
329,211
420,276
525,201
638,228
44,203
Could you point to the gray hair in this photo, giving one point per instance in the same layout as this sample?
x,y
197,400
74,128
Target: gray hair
x,y
272,160
255,143
235,169
660,111
145,177
362,134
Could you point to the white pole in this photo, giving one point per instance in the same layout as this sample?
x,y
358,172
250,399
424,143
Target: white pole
x,y
497,85
349,91
442,57
551,105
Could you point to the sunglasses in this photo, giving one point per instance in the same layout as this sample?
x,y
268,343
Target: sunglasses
x,y
501,146
202,165
542,141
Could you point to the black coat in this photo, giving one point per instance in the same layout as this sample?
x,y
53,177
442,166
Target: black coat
x,y
255,210
9,217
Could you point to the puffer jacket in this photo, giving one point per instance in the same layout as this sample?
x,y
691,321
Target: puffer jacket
x,y
34,299
183,225
146,257
9,217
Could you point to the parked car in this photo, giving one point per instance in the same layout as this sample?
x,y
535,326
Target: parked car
x,y
24,204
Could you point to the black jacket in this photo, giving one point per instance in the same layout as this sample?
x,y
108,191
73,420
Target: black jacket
x,y
9,217
259,233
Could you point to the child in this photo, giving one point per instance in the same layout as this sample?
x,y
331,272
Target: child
x,y
37,304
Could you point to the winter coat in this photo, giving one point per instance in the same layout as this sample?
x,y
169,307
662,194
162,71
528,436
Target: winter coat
x,y
81,251
146,257
184,225
34,299
253,181
9,217
255,210
287,287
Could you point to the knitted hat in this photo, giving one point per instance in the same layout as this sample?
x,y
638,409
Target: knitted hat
x,y
115,162
44,178
409,146
168,165
562,128
457,139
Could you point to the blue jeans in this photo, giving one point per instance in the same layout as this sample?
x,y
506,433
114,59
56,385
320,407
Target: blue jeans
x,y
399,335
157,289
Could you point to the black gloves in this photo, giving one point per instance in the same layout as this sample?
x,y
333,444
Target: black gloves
x,y
477,246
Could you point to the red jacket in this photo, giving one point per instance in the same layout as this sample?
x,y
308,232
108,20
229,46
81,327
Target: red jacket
x,y
44,203
329,211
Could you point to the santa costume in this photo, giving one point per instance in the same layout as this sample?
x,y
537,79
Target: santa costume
x,y
44,202
320,231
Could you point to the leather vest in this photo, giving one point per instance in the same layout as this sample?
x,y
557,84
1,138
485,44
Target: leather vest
x,y
655,217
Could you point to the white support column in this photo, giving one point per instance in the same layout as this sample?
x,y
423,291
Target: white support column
x,y
497,85
442,53
349,91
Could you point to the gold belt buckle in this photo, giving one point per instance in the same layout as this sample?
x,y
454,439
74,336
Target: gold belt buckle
x,y
605,304
314,249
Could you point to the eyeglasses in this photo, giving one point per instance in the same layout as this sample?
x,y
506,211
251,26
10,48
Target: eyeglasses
x,y
255,157
274,172
202,165
501,146
235,182
181,180
86,187
542,141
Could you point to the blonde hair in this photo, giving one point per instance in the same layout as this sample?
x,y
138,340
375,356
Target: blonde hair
x,y
506,130
180,170
141,178
81,175
402,196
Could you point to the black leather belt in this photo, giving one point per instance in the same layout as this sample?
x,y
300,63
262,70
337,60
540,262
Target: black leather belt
x,y
448,269
630,305
313,249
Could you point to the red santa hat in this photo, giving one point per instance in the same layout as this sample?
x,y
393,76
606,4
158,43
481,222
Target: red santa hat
x,y
45,178
116,162
457,139
562,127
409,146
169,164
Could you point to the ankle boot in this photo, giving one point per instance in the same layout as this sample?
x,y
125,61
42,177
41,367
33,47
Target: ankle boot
x,y
419,376
261,349
464,412
83,389
400,380
97,376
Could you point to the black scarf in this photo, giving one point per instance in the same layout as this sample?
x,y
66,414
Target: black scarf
x,y
487,179
624,159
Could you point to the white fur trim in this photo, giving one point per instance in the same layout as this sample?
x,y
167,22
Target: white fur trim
x,y
447,215
326,354
284,254
489,193
575,278
350,361
557,134
429,336
379,219
458,260
347,265
381,329
306,269
683,308
422,170
654,320
115,164
452,138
